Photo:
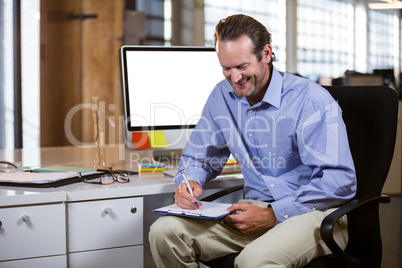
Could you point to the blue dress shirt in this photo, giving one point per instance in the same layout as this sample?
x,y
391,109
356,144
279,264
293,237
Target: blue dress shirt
x,y
292,146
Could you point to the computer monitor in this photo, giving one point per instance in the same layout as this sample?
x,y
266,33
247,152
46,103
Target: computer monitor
x,y
165,89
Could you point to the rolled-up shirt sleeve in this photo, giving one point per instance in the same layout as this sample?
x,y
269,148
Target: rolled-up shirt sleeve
x,y
324,149
206,152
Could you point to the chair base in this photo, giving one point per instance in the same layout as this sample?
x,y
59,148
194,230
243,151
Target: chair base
x,y
328,261
226,261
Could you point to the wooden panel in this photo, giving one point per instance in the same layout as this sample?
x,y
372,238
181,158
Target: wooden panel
x,y
100,44
59,69
79,59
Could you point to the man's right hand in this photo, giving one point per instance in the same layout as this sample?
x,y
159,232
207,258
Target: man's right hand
x,y
184,199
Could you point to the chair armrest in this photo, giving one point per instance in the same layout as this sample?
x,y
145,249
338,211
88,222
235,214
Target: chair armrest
x,y
329,221
221,193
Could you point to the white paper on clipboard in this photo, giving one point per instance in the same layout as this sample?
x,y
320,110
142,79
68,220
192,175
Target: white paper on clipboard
x,y
208,210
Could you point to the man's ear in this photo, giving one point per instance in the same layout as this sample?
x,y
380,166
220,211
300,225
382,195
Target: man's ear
x,y
267,53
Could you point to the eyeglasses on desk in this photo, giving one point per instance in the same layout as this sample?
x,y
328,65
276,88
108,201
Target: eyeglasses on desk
x,y
109,177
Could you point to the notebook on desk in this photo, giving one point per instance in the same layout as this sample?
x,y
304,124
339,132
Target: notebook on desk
x,y
83,171
48,177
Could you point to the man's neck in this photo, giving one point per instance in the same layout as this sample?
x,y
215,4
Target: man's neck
x,y
257,98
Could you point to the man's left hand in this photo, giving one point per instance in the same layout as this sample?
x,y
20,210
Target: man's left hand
x,y
250,219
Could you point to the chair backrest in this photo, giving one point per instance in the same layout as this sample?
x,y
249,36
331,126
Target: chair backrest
x,y
370,114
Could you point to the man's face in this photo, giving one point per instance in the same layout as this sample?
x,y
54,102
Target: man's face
x,y
248,76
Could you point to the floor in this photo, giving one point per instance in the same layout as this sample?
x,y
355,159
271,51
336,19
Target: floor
x,y
391,230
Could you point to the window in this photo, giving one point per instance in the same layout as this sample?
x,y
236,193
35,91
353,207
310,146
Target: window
x,y
155,20
325,38
29,73
6,75
383,32
168,22
271,13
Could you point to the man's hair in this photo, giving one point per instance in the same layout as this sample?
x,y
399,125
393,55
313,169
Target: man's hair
x,y
235,26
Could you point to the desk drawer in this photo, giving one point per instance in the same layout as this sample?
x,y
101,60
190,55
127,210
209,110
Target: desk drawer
x,y
126,257
105,224
45,262
32,231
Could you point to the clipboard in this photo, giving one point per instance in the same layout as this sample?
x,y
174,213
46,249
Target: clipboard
x,y
208,210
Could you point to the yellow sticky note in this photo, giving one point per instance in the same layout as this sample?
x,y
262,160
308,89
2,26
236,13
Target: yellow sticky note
x,y
157,139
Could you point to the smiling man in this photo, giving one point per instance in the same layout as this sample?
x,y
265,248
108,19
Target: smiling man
x,y
248,75
288,136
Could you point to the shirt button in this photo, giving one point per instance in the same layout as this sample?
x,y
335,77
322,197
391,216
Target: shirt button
x,y
251,110
272,185
286,216
251,134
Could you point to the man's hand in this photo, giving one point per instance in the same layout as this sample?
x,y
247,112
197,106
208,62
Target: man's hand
x,y
184,199
250,219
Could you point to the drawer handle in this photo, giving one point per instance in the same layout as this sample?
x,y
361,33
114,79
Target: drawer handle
x,y
108,210
26,218
134,210
1,224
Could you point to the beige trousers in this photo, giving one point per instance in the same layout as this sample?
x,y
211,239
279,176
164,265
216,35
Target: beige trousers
x,y
182,242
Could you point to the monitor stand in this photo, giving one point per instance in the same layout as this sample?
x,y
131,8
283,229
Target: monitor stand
x,y
170,157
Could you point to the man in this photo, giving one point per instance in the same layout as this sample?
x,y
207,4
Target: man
x,y
288,136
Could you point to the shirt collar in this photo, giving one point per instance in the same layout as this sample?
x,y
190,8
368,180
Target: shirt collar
x,y
273,94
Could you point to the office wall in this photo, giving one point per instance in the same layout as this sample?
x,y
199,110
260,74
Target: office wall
x,y
79,56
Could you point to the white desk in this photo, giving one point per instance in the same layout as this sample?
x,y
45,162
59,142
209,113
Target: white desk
x,y
79,225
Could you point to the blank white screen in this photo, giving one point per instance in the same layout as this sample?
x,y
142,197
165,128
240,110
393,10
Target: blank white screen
x,y
170,88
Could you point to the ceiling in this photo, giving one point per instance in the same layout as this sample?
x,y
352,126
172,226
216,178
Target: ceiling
x,y
385,4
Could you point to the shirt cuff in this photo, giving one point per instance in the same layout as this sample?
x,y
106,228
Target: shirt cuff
x,y
283,209
198,175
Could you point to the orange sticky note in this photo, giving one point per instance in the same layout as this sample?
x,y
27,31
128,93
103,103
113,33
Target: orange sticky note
x,y
141,140
157,139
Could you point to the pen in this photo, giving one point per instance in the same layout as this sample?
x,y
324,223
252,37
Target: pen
x,y
189,188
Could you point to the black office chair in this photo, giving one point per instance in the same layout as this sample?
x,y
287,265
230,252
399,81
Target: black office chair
x,y
370,114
